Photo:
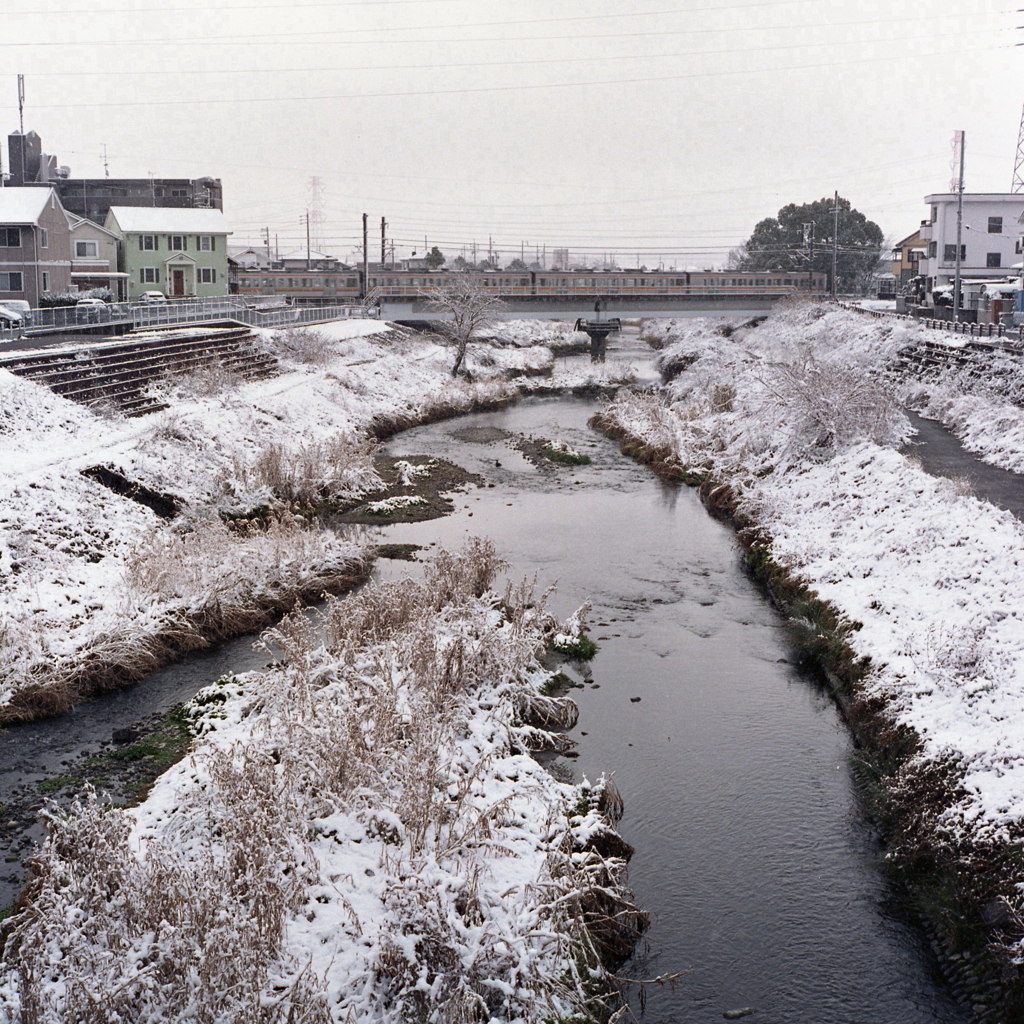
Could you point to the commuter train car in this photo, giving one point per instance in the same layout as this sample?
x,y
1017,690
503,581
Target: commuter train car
x,y
346,286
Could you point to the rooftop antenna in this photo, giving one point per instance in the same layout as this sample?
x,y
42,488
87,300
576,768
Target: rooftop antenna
x,y
21,104
1018,163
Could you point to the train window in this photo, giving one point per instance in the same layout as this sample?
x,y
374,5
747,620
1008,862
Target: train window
x,y
543,280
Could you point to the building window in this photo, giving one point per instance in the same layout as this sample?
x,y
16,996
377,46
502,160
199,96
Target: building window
x,y
206,243
10,238
933,250
177,243
147,242
949,253
995,226
84,250
44,238
46,281
11,282
179,193
158,192
207,275
149,275
993,259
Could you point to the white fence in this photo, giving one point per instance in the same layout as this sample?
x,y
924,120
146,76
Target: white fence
x,y
173,313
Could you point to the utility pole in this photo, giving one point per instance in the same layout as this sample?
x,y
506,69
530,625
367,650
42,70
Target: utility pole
x,y
106,168
835,243
383,244
309,265
266,238
366,257
960,141
21,104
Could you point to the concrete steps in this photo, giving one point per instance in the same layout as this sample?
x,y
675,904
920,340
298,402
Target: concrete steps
x,y
122,372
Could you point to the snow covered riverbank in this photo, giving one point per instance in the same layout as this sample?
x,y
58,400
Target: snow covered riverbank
x,y
95,589
794,427
360,834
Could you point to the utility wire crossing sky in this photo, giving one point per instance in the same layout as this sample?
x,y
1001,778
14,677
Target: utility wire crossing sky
x,y
658,132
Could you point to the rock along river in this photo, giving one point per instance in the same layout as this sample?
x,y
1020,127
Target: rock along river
x,y
761,876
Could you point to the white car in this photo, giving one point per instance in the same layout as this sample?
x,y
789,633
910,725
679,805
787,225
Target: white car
x,y
10,318
20,308
148,297
90,302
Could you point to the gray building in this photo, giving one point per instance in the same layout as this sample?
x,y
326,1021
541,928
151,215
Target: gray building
x,y
92,198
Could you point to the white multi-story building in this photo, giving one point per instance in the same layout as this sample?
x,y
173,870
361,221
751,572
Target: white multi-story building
x,y
989,242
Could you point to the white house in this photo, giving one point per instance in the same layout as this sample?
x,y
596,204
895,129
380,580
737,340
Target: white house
x,y
989,242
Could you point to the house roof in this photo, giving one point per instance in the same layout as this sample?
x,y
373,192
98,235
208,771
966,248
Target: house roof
x,y
75,222
163,218
23,205
300,254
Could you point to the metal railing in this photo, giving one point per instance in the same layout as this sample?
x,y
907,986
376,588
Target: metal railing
x,y
173,313
1011,336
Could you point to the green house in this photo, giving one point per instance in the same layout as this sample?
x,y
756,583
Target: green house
x,y
180,252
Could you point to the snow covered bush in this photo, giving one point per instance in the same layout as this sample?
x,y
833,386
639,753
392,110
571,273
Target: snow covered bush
x,y
360,835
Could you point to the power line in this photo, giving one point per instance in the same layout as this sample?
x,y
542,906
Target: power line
x,y
235,101
426,28
505,63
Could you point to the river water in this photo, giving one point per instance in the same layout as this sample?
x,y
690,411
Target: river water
x,y
762,878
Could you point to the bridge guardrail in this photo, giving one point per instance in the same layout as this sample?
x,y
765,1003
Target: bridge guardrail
x,y
175,313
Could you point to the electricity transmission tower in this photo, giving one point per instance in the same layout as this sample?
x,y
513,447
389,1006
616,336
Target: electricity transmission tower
x,y
1018,163
317,213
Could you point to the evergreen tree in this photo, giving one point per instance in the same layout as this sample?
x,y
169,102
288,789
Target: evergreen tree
x,y
778,243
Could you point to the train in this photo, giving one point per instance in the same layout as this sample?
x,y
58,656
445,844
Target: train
x,y
349,285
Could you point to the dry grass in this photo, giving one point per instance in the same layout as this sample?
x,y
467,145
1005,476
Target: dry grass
x,y
305,345
305,475
393,710
183,591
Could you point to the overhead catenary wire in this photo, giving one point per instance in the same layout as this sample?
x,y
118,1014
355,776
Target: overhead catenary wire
x,y
531,87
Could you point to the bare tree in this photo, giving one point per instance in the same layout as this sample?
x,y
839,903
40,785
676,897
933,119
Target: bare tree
x,y
467,308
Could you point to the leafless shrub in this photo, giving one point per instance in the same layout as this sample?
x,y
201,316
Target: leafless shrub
x,y
826,405
306,345
395,710
305,475
468,309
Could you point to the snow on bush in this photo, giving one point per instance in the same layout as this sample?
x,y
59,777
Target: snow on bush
x,y
360,835
797,419
296,439
549,333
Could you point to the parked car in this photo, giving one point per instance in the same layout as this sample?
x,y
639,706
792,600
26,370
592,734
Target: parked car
x,y
148,297
90,310
10,317
21,307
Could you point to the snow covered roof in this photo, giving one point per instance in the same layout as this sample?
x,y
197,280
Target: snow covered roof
x,y
300,254
23,205
162,218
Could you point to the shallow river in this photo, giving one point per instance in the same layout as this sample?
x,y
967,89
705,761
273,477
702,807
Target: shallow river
x,y
760,874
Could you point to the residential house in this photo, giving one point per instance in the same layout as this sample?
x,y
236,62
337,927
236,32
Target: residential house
x,y
35,244
906,259
94,258
988,242
250,259
178,252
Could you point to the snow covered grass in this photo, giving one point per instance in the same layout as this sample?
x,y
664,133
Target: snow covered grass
x,y
265,447
553,334
792,429
360,835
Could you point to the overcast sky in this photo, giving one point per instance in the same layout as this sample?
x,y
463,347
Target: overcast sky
x,y
666,128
